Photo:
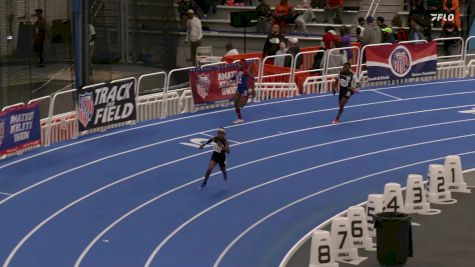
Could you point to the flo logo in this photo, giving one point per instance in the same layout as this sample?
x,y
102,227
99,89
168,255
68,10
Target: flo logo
x,y
442,17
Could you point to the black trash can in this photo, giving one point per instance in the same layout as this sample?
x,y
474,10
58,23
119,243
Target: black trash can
x,y
393,238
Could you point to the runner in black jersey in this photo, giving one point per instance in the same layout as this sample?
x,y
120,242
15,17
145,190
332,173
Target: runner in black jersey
x,y
220,148
346,81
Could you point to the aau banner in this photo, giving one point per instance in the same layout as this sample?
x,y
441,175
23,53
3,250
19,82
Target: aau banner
x,y
401,61
19,128
213,84
106,104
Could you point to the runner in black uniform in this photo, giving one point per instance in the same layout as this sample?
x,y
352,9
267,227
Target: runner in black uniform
x,y
220,148
346,79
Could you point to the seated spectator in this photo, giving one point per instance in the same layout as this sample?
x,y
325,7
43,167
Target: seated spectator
x,y
318,4
302,20
205,5
282,13
272,42
386,31
453,7
360,29
334,7
264,16
372,33
346,41
280,61
434,7
230,50
414,30
186,5
294,49
401,33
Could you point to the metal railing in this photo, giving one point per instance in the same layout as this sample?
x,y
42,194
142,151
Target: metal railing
x,y
56,127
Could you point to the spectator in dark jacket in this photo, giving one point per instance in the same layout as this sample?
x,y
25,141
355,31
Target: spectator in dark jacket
x,y
449,30
386,31
272,42
294,49
414,30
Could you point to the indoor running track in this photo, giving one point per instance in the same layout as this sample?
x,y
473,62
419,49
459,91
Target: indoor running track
x,y
129,197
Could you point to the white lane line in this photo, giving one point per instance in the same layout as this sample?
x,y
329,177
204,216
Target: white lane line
x,y
252,122
6,194
189,221
191,156
388,95
123,217
250,228
214,112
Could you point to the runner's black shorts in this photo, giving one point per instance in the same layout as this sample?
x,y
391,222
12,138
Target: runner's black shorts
x,y
345,93
219,158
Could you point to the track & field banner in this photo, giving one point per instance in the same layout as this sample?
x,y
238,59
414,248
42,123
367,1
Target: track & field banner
x,y
401,61
213,84
105,104
20,128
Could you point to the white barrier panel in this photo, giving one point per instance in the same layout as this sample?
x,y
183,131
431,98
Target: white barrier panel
x,y
359,228
343,240
266,91
438,189
393,201
319,84
453,171
374,206
416,200
322,251
64,127
150,107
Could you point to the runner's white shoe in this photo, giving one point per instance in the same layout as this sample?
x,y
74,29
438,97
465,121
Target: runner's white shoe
x,y
238,121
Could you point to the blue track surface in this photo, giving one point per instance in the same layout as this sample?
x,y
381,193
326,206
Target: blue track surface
x,y
130,196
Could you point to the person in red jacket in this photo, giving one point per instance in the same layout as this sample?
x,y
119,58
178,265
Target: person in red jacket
x,y
282,10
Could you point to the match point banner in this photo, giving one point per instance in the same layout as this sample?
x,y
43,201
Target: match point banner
x,y
106,104
20,128
401,61
213,84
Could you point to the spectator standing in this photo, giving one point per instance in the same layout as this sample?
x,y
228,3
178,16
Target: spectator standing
x,y
194,34
435,7
346,41
360,29
302,20
272,42
328,37
453,7
449,30
282,12
372,33
294,49
280,61
264,16
40,37
401,34
334,7
386,31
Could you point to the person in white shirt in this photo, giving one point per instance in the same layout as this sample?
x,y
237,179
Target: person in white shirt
x,y
194,34
230,50
280,61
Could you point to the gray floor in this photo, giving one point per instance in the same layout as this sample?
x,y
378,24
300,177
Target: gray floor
x,y
443,240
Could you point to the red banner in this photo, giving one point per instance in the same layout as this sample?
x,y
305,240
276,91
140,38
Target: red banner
x,y
213,84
